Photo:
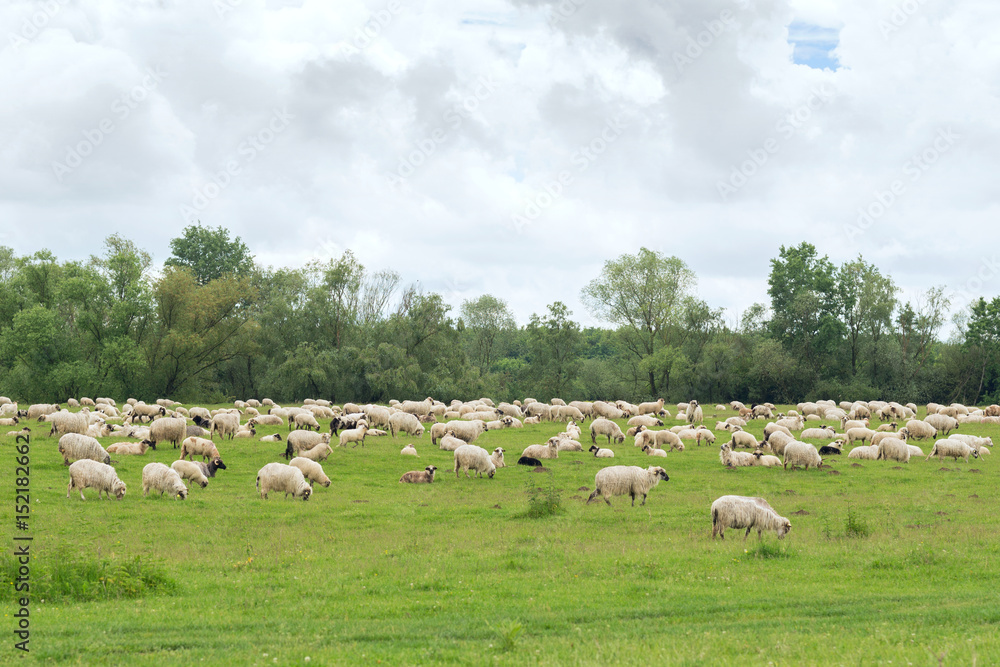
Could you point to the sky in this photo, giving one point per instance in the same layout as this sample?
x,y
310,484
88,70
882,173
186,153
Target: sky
x,y
511,147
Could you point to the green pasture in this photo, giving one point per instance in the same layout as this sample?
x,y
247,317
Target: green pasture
x,y
885,564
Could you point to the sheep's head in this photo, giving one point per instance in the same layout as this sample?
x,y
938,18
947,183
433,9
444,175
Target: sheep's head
x,y
119,490
150,443
784,528
182,494
306,492
217,462
659,472
203,483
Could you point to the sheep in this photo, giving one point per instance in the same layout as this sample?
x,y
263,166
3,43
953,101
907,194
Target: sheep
x,y
528,461
464,430
975,442
630,480
771,427
282,477
244,433
743,439
225,424
141,411
744,512
916,451
651,451
953,448
865,452
41,409
649,408
23,434
9,421
859,435
659,439
160,478
405,423
409,450
762,412
450,443
320,452
304,421
891,426
572,431
311,470
475,458
532,420
893,449
732,459
266,420
70,422
606,410
694,413
549,450
606,427
76,446
601,453
199,447
274,437
355,435
425,476
300,441
566,444
778,440
645,420
704,435
765,460
798,453
497,457
191,471
566,413
941,422
821,433
541,411
795,424
128,448
87,473
919,429
835,448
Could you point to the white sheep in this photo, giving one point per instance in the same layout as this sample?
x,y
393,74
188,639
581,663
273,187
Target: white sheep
x,y
190,471
822,433
652,451
168,429
605,427
942,422
88,473
765,460
355,435
919,429
746,512
649,408
601,453
950,447
320,452
76,446
743,439
549,450
450,443
403,422
798,453
128,448
274,437
160,478
282,477
630,480
195,446
864,452
893,449
409,450
225,424
916,451
659,439
425,476
859,434
734,459
302,441
311,470
475,458
70,422
694,414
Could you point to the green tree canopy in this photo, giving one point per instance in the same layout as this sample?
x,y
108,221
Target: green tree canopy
x,y
209,254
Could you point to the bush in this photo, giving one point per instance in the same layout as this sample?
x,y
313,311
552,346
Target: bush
x,y
543,502
81,579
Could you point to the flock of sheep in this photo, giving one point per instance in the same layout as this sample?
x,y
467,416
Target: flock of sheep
x,y
456,427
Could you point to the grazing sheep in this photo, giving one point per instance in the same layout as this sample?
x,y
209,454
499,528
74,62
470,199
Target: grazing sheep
x,y
190,471
765,460
141,411
798,453
879,436
919,429
282,477
168,429
865,452
403,422
630,480
762,412
199,447
791,424
160,478
409,450
355,435
659,439
311,470
942,422
606,427
128,448
744,512
733,459
549,450
704,435
651,451
475,458
304,421
893,449
76,446
88,473
225,424
601,453
450,443
950,447
70,422
425,476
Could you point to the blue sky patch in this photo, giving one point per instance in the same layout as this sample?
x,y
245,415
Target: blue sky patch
x,y
814,45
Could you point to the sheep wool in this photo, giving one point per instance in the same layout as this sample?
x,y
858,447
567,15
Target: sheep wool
x,y
950,447
160,478
76,446
425,476
746,512
474,458
190,471
893,449
626,480
285,478
311,470
87,473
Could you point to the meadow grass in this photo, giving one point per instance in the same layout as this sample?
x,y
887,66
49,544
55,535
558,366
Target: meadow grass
x,y
885,562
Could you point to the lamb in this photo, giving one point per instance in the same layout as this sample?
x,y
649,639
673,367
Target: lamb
x,y
765,460
601,453
859,435
744,512
475,458
425,476
225,424
649,408
549,450
274,437
733,459
9,421
405,423
822,433
893,449
630,480
245,433
76,446
355,435
532,420
919,429
160,478
865,452
128,448
953,448
606,427
191,471
282,477
199,447
23,434
409,450
87,473
70,422
645,420
941,423
798,453
572,431
743,439
311,470
651,451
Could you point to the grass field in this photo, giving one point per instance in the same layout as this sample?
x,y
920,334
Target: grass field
x,y
885,564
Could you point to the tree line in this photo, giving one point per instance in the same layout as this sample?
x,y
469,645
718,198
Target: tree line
x,y
214,325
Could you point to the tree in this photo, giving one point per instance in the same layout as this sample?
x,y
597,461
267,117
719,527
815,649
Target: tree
x,y
554,342
209,254
983,336
486,319
643,294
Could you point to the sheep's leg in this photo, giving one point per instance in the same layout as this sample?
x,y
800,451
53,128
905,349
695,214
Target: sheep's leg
x,y
593,495
746,535
632,493
643,500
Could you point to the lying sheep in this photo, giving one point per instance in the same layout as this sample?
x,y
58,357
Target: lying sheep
x,y
76,446
128,448
893,449
891,426
644,420
601,453
190,471
765,460
9,421
266,420
950,447
916,451
160,478
409,450
311,470
835,448
566,444
864,452
23,434
605,427
475,458
302,441
450,443
798,453
630,480
744,512
275,437
199,447
549,450
282,477
425,476
651,451
95,475
919,429
821,433
70,422
742,439
733,459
